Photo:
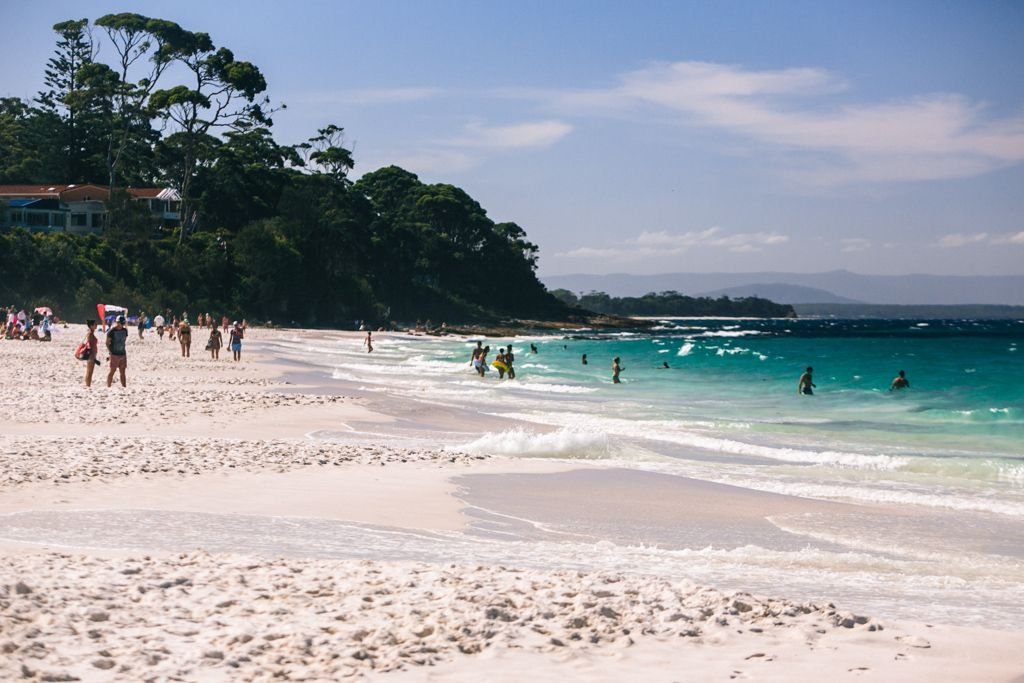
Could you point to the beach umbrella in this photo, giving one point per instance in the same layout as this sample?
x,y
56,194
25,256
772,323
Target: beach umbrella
x,y
44,310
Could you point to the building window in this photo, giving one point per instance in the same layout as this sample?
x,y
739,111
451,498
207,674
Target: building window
x,y
79,220
37,220
17,217
97,220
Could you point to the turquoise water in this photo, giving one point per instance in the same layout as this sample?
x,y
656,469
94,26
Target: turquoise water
x,y
935,472
954,439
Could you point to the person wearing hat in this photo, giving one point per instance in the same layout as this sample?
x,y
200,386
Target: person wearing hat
x,y
117,338
236,340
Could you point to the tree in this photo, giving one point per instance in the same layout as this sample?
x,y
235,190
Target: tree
x,y
66,99
326,153
245,180
126,98
566,297
25,155
223,96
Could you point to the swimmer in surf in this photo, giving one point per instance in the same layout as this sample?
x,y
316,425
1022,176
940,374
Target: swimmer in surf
x,y
806,385
900,381
616,369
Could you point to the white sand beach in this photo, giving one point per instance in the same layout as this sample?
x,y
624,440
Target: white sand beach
x,y
191,528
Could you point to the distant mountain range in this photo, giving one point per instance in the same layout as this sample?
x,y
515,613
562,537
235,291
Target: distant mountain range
x,y
834,287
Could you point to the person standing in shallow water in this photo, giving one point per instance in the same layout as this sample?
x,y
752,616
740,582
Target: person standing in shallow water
x,y
509,359
900,381
806,385
616,369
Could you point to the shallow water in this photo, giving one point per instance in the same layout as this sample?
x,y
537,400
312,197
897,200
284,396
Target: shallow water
x,y
938,469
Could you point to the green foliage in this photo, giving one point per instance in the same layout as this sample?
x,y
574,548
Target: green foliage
x,y
270,231
670,304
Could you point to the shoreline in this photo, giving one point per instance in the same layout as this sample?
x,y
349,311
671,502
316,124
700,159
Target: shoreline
x,y
223,443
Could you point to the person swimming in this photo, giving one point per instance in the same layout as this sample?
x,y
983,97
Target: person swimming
x,y
806,384
900,381
584,359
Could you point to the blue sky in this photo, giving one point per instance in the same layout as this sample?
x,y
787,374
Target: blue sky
x,y
650,137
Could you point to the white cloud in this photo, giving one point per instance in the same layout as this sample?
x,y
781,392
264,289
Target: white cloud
x,y
851,245
957,239
916,138
1017,238
663,243
515,136
712,237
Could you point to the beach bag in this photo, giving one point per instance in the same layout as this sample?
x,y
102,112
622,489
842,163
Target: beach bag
x,y
82,352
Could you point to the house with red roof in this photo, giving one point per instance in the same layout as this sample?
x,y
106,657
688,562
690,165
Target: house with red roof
x,y
78,209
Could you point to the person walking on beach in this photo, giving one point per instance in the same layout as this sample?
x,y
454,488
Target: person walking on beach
x,y
235,340
92,344
214,343
900,381
806,385
185,338
117,337
368,342
616,369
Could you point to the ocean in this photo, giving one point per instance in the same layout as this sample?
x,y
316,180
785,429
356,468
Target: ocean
x,y
927,483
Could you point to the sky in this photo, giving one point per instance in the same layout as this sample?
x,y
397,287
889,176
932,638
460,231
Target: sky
x,y
651,137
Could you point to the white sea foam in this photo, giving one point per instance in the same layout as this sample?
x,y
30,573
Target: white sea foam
x,y
545,388
730,333
564,443
874,494
685,350
679,432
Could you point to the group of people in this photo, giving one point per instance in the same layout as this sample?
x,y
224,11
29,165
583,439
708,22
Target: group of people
x,y
505,358
22,326
503,361
179,329
806,386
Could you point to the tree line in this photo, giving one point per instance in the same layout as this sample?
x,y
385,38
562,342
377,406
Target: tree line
x,y
269,231
673,304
